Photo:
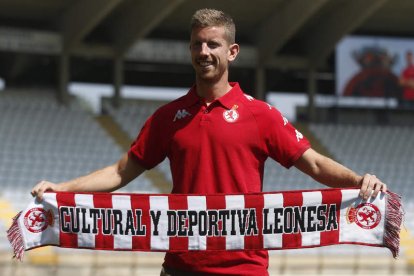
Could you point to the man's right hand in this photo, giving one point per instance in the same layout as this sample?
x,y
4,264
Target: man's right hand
x,y
43,186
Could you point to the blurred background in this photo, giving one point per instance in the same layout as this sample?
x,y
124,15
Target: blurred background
x,y
79,78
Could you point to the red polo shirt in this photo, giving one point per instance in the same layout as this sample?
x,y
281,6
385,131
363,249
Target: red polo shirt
x,y
220,148
408,74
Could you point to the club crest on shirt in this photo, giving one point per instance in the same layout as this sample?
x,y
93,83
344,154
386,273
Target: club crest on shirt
x,y
231,115
365,215
37,220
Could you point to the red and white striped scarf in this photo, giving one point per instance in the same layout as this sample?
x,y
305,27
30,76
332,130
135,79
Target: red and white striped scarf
x,y
160,222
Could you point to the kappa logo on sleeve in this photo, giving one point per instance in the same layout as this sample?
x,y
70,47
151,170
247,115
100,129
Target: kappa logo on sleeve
x,y
37,220
299,135
181,114
249,98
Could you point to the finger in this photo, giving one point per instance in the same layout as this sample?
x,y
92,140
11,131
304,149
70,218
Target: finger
x,y
40,195
39,189
33,192
364,185
36,189
370,186
384,188
378,187
40,192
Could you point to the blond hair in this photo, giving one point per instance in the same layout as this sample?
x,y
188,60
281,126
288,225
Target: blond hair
x,y
214,18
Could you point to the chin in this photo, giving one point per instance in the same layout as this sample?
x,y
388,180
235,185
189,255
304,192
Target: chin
x,y
206,76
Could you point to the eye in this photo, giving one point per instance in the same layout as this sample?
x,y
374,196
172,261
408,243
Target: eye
x,y
213,44
196,44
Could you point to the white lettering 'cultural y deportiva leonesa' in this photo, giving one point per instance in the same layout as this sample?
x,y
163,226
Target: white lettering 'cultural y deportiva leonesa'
x,y
181,113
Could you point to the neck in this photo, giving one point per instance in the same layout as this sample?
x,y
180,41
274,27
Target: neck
x,y
211,91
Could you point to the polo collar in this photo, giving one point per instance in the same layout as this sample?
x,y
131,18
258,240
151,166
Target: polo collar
x,y
228,100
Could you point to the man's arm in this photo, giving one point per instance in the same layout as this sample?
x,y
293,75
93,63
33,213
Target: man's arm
x,y
333,174
107,179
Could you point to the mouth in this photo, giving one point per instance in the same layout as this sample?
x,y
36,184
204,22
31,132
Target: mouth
x,y
205,64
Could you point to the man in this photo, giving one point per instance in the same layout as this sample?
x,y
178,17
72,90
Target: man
x,y
407,82
217,139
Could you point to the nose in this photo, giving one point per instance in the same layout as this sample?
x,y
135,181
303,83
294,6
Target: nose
x,y
204,50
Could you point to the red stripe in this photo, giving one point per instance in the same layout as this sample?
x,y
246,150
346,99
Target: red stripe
x,y
332,197
252,241
66,239
178,202
103,241
216,203
293,240
141,202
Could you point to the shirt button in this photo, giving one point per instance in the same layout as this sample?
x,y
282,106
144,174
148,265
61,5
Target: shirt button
x,y
205,111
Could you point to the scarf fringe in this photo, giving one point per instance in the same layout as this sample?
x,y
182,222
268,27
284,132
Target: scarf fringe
x,y
16,239
394,218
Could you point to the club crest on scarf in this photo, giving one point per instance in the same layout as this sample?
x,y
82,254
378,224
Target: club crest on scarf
x,y
365,215
38,219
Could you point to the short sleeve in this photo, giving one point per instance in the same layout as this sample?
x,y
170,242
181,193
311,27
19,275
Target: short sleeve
x,y
149,148
282,141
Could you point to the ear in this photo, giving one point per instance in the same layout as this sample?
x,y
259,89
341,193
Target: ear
x,y
234,50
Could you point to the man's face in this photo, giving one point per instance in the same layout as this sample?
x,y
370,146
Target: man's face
x,y
211,52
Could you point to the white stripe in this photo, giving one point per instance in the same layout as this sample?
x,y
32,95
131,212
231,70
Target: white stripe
x,y
311,199
162,241
86,240
272,201
122,202
237,241
350,231
51,234
197,242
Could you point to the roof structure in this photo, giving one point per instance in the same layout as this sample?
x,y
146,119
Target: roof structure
x,y
281,35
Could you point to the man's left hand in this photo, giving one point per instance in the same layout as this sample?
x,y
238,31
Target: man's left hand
x,y
371,186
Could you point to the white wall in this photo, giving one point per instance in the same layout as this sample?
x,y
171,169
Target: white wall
x,y
92,93
286,103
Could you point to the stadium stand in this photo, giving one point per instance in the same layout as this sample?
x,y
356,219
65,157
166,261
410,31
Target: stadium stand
x,y
40,139
372,148
43,140
131,116
132,113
